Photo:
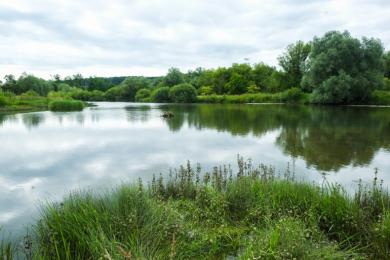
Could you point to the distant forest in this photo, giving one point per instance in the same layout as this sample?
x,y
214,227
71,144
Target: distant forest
x,y
335,68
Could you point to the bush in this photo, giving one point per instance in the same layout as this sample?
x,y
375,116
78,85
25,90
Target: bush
x,y
58,95
292,95
386,84
31,94
66,105
183,93
114,94
3,100
143,95
160,95
380,97
205,91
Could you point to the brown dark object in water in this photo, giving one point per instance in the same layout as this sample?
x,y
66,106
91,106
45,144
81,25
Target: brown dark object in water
x,y
167,115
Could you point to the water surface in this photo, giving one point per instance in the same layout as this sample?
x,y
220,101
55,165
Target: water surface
x,y
44,155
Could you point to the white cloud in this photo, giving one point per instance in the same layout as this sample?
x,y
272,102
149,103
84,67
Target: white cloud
x,y
122,37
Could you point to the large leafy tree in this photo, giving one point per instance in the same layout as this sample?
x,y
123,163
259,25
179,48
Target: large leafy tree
x,y
173,77
221,78
343,69
293,62
387,64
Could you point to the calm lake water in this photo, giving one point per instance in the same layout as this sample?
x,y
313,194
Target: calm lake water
x,y
44,155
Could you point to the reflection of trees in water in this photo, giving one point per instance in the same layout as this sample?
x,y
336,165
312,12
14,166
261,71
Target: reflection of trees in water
x,y
7,117
138,113
328,138
32,120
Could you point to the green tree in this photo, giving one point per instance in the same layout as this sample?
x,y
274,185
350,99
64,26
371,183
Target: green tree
x,y
206,90
262,76
386,57
183,93
98,83
130,86
160,95
114,94
143,95
293,62
342,69
29,82
221,78
173,77
10,83
237,84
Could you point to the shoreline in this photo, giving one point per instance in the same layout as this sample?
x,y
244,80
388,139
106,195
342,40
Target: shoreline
x,y
195,214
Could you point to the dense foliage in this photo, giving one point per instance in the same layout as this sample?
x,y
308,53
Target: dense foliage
x,y
252,214
335,68
182,93
143,95
342,69
160,95
66,105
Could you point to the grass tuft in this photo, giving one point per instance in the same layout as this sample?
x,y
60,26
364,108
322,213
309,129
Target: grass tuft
x,y
66,105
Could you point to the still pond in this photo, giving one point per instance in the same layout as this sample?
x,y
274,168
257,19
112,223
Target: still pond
x,y
45,155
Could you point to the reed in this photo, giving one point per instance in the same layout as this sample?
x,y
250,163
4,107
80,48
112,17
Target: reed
x,y
250,212
66,105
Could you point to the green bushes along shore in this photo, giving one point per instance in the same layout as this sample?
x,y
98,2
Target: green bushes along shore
x,y
66,105
253,214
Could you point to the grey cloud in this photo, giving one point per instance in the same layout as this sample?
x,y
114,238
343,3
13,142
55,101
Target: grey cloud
x,y
70,35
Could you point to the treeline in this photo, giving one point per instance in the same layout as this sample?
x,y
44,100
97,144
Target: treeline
x,y
335,68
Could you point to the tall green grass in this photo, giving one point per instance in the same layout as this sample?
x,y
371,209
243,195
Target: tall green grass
x,y
380,97
252,213
293,95
66,105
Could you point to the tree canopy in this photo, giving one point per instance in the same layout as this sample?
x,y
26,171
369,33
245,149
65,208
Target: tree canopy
x,y
343,69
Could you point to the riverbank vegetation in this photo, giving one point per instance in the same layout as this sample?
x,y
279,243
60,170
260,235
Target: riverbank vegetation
x,y
254,213
333,69
66,105
32,101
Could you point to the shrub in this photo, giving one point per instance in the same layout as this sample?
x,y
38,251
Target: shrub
x,y
114,94
143,95
66,105
183,93
292,95
206,90
58,95
380,97
31,94
386,84
160,95
3,100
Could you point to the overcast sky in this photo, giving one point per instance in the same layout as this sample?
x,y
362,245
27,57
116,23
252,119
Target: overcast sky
x,y
146,37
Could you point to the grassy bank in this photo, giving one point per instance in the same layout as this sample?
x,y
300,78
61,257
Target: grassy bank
x,y
31,101
26,102
289,96
253,214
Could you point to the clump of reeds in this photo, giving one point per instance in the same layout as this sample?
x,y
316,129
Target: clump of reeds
x,y
66,105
